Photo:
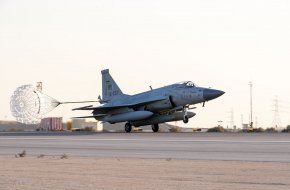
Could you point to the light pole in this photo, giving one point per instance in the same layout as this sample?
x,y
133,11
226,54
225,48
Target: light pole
x,y
251,104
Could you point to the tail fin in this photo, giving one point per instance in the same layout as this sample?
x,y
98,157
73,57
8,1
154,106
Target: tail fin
x,y
109,87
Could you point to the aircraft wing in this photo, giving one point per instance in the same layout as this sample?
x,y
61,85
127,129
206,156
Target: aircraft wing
x,y
111,107
83,108
91,116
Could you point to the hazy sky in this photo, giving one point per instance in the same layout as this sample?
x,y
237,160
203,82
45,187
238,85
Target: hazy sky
x,y
220,44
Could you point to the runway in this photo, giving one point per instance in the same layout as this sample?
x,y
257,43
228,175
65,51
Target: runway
x,y
189,146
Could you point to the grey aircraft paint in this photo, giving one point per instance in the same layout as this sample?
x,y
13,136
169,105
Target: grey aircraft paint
x,y
165,104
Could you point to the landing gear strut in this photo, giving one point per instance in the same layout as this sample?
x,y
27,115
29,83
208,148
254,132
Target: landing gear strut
x,y
155,128
128,127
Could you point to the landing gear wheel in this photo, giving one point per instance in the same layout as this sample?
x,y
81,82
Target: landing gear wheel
x,y
185,119
128,127
155,128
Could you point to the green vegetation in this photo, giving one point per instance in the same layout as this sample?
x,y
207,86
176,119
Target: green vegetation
x,y
254,130
287,130
259,130
271,130
218,129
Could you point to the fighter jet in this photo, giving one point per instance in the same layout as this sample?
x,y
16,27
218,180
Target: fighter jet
x,y
165,104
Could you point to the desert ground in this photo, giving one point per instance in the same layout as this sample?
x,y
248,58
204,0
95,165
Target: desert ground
x,y
89,161
53,172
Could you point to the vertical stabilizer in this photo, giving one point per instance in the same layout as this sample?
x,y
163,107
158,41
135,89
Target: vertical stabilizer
x,y
109,87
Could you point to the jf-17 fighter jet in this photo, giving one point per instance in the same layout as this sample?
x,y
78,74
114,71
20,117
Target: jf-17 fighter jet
x,y
165,104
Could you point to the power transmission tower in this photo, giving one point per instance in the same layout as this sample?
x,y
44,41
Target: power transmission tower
x,y
276,121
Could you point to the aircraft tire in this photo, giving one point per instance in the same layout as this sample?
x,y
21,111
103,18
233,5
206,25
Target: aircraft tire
x,y
185,119
155,128
128,127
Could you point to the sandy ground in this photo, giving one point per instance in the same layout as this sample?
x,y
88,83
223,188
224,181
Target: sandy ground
x,y
51,172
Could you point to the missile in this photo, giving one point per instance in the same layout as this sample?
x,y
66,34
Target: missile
x,y
177,116
129,116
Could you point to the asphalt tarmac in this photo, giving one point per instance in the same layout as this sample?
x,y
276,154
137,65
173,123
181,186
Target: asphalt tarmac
x,y
272,147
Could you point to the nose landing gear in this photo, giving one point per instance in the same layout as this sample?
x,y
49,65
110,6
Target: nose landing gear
x,y
185,117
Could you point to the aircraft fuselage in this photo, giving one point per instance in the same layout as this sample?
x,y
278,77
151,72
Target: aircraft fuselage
x,y
165,104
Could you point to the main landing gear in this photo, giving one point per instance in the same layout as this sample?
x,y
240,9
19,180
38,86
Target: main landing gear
x,y
128,127
155,128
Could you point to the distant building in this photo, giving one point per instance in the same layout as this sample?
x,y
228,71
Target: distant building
x,y
246,126
82,124
51,124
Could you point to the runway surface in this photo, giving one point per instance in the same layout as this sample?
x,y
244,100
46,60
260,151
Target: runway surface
x,y
192,146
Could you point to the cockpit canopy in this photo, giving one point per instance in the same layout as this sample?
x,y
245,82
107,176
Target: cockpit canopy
x,y
186,84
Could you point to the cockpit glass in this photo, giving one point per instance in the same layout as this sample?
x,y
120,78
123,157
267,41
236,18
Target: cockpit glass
x,y
190,84
186,84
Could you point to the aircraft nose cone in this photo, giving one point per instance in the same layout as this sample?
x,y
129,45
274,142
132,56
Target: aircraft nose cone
x,y
210,94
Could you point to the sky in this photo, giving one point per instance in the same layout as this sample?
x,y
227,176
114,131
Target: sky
x,y
220,44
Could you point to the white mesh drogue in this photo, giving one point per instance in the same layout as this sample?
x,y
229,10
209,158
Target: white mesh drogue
x,y
28,105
